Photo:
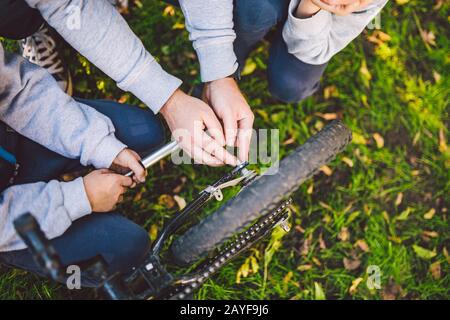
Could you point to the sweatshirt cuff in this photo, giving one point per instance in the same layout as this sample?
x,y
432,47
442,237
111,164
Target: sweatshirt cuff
x,y
106,152
75,200
152,85
307,28
217,61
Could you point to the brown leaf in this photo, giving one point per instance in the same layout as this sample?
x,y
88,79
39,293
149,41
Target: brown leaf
x,y
391,291
180,186
351,264
428,37
431,234
305,247
363,245
288,141
167,201
435,270
322,244
304,267
344,234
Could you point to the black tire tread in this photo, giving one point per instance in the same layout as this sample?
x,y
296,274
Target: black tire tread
x,y
262,196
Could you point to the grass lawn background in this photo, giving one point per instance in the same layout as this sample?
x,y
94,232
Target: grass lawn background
x,y
383,202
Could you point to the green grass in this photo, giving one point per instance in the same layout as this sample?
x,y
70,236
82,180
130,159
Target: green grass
x,y
371,210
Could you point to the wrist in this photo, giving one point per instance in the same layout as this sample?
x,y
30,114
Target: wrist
x,y
306,9
171,103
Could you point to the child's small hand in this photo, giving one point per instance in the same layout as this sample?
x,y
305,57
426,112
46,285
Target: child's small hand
x,y
342,7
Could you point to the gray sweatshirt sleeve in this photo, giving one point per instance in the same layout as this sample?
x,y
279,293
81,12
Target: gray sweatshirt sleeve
x,y
317,39
96,30
210,25
32,103
54,204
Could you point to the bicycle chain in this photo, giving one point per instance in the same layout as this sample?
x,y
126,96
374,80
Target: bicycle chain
x,y
184,287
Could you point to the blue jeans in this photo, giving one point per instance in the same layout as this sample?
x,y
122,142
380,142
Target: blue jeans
x,y
121,242
290,80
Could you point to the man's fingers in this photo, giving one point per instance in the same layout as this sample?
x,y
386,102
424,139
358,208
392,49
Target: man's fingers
x,y
230,127
217,151
125,181
213,126
138,170
340,2
244,137
203,157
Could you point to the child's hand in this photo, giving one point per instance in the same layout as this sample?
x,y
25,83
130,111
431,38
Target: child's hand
x,y
342,7
128,160
105,189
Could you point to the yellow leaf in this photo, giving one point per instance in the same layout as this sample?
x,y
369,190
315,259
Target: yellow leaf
x,y
430,213
250,67
348,161
326,170
442,142
401,2
310,189
304,267
365,71
435,270
378,140
358,138
330,92
153,232
399,199
288,277
355,284
180,202
344,234
178,25
363,245
327,116
169,11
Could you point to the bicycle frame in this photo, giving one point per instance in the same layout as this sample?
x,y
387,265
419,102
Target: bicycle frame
x,y
151,280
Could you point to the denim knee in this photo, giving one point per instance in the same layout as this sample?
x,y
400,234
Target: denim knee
x,y
257,15
291,89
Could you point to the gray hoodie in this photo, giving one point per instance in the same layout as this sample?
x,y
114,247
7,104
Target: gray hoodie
x,y
317,39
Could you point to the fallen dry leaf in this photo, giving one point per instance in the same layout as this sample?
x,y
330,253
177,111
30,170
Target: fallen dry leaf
x,y
363,245
167,201
378,140
180,202
348,161
430,214
355,284
351,264
399,199
304,267
344,234
428,37
326,170
435,270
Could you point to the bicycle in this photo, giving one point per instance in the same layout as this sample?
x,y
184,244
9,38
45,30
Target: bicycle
x,y
261,204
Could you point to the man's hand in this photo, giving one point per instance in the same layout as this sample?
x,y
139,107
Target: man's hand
x,y
187,118
341,7
230,106
128,160
104,189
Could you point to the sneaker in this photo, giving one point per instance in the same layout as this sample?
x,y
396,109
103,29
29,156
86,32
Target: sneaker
x,y
40,48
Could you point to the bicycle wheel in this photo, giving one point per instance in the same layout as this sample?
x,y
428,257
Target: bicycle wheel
x,y
262,196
